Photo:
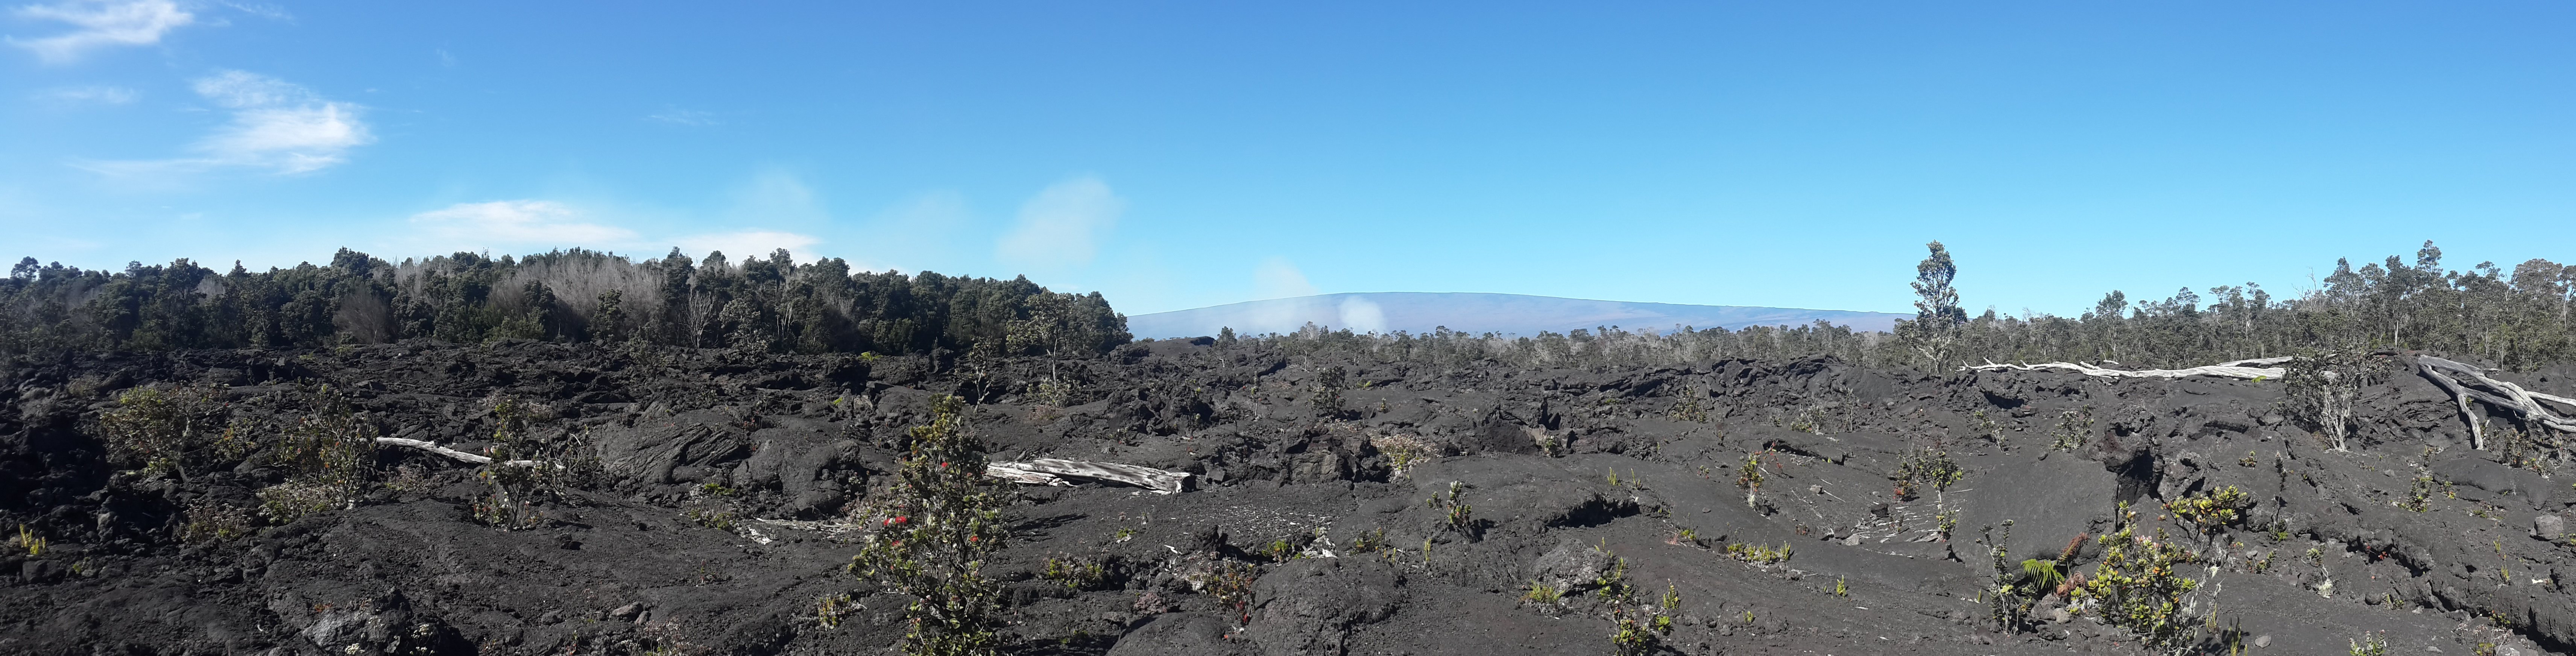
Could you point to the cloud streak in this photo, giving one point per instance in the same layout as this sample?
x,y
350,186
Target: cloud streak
x,y
1062,225
747,243
1279,278
284,128
101,24
90,95
530,225
518,223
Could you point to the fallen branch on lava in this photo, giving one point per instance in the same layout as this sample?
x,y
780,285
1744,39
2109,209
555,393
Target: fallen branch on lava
x,y
2255,369
433,447
2464,382
1050,471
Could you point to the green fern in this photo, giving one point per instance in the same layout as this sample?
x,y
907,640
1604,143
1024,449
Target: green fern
x,y
2042,573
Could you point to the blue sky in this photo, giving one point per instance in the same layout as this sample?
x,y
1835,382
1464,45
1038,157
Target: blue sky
x,y
1188,154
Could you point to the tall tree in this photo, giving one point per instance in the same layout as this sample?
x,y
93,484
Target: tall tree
x,y
1937,317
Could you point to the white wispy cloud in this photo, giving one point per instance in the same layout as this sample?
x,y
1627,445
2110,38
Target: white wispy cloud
x,y
746,244
101,24
241,89
90,95
517,224
1279,278
921,232
1062,225
776,197
260,9
275,125
1297,301
531,225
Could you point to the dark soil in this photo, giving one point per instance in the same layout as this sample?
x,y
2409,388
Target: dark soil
x,y
718,528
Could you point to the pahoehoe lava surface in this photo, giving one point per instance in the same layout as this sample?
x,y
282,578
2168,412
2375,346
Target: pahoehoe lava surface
x,y
718,527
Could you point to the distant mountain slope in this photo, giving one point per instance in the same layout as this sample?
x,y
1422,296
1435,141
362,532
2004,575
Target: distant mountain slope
x,y
1419,312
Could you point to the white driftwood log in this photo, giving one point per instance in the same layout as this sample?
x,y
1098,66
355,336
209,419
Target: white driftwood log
x,y
1051,471
2464,382
1017,475
2257,368
433,447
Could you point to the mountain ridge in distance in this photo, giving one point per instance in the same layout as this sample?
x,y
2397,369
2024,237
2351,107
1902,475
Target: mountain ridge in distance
x,y
1478,313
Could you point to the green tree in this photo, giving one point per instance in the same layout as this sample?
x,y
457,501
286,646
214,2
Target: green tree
x,y
1937,317
940,525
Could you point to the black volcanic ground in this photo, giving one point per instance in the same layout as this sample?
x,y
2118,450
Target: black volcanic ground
x,y
629,568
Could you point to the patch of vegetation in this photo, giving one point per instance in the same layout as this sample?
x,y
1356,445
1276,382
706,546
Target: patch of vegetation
x,y
709,518
2325,385
1691,407
1640,628
937,526
2263,564
1758,554
1925,465
1054,393
1326,394
2417,492
2074,429
1280,551
2139,585
173,431
2008,598
1684,537
209,520
2522,449
2042,574
1548,443
748,303
1457,514
830,609
1075,573
530,467
1808,420
1371,541
1231,584
2213,510
286,502
1402,451
27,540
330,451
1541,593
2370,644
1986,426
1749,477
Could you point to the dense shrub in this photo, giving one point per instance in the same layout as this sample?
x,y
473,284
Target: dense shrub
x,y
771,304
934,532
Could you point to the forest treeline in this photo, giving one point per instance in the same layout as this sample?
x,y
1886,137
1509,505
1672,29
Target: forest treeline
x,y
771,304
2515,319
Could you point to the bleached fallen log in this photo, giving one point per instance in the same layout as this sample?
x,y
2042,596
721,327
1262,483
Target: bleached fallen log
x,y
1051,471
433,447
2258,368
1017,475
2465,383
2472,383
